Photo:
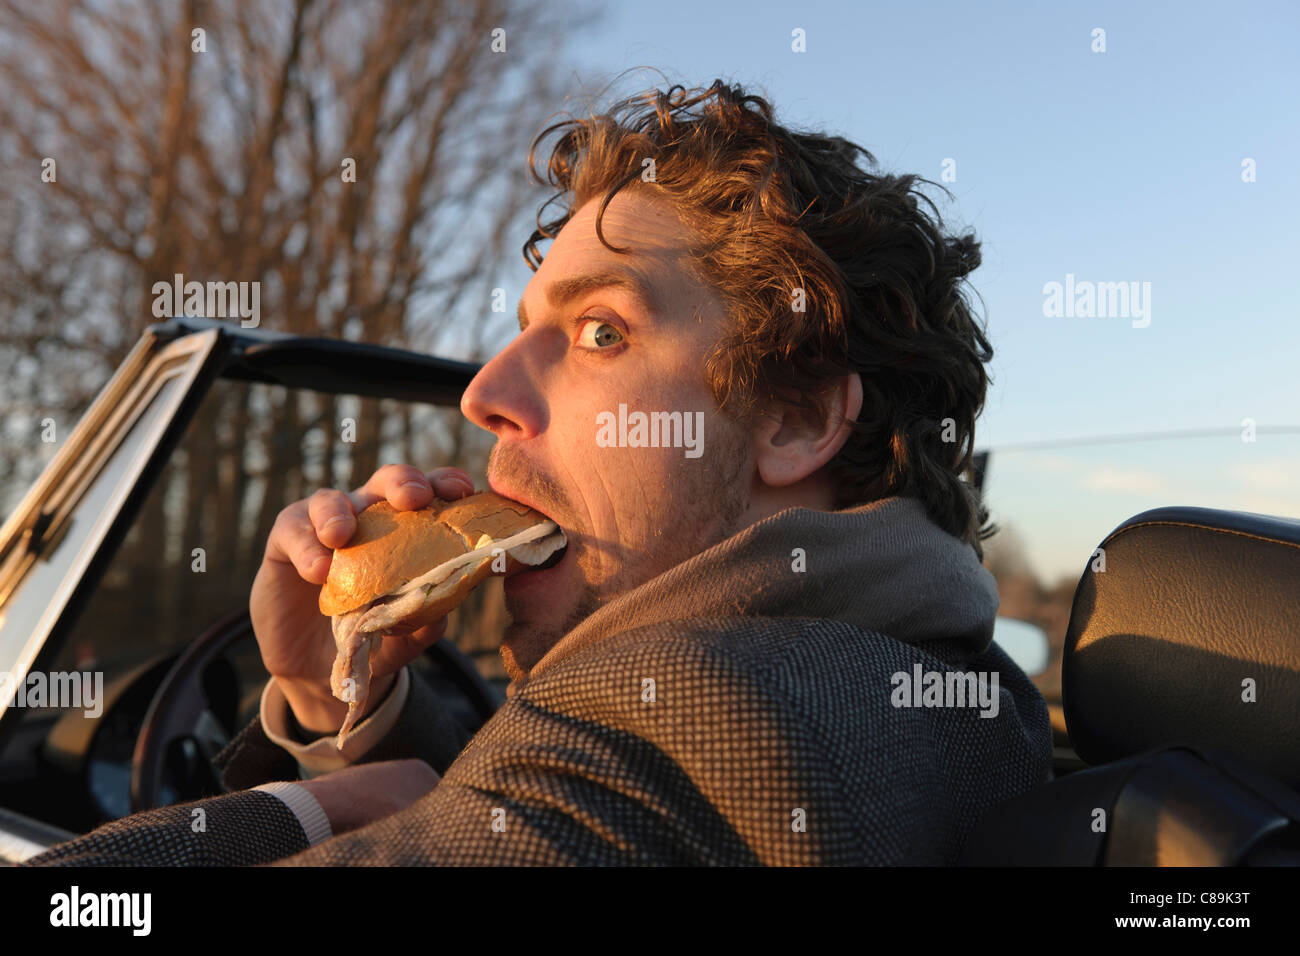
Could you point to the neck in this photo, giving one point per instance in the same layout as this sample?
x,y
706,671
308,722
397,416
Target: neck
x,y
816,492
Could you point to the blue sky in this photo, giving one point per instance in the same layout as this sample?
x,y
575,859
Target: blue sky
x,y
1122,166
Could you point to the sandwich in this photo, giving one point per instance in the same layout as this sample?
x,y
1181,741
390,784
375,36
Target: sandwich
x,y
402,570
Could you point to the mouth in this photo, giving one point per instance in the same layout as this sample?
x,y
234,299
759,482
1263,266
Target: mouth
x,y
521,569
506,492
540,555
541,579
552,561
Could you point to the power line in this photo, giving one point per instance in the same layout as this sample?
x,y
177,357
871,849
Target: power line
x,y
1140,436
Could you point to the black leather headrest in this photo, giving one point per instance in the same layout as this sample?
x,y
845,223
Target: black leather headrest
x,y
1196,612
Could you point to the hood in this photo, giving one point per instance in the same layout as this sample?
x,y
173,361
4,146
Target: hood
x,y
883,566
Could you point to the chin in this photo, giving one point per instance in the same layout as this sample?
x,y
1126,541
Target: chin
x,y
526,640
514,669
523,646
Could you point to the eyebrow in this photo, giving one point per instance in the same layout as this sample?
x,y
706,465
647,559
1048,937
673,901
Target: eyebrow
x,y
562,291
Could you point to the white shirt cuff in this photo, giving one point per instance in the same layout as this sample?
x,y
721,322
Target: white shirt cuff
x,y
304,806
322,756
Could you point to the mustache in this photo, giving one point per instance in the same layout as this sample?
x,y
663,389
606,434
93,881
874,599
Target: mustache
x,y
541,489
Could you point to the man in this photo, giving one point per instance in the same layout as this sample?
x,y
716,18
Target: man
x,y
727,667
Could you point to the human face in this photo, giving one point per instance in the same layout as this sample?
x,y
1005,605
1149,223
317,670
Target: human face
x,y
585,347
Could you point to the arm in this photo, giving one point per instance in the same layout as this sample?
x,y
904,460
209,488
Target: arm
x,y
578,769
410,723
238,829
257,826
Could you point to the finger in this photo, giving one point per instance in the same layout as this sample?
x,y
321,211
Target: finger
x,y
405,487
422,637
411,643
451,483
293,540
331,514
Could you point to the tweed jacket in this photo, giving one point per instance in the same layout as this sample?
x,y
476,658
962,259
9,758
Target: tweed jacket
x,y
751,705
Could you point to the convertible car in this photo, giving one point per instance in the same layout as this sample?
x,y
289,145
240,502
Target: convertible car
x,y
1172,672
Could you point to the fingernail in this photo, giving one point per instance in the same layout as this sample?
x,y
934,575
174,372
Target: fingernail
x,y
330,523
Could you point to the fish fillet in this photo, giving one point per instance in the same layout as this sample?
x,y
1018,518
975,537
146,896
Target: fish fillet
x,y
352,663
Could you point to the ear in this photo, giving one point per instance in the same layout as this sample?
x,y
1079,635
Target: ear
x,y
788,446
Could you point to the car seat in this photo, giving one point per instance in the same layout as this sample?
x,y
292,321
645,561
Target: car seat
x,y
1181,692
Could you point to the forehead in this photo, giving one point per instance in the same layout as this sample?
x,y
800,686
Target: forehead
x,y
655,240
634,218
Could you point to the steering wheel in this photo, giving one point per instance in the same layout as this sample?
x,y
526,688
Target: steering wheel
x,y
182,708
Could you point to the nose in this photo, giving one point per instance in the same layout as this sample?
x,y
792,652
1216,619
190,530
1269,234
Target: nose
x,y
504,397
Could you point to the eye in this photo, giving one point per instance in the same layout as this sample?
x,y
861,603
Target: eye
x,y
597,334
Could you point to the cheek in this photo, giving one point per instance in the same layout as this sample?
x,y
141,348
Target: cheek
x,y
620,480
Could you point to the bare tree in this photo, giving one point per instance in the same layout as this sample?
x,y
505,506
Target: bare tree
x,y
361,161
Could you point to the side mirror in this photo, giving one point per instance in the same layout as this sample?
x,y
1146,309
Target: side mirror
x,y
1024,643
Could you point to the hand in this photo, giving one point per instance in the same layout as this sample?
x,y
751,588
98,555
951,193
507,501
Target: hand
x,y
296,640
367,792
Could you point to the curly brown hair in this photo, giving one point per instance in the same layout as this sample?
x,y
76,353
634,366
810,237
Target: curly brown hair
x,y
777,211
